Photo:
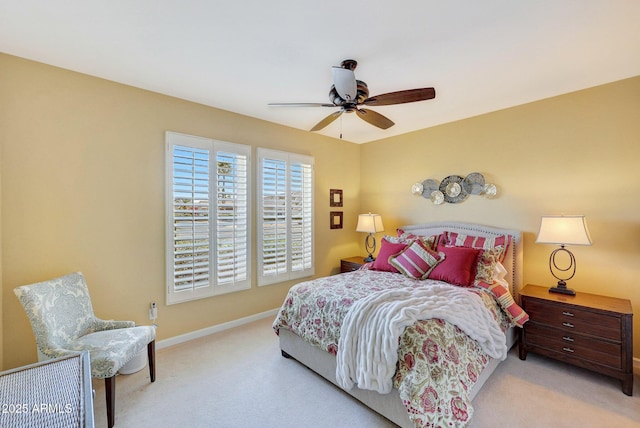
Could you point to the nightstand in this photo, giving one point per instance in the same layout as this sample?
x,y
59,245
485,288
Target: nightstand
x,y
586,330
351,263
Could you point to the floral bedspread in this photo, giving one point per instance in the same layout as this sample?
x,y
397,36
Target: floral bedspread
x,y
438,364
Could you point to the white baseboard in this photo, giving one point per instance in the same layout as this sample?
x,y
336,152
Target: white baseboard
x,y
175,340
165,343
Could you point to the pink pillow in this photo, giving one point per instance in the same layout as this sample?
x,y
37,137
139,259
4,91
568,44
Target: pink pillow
x,y
416,261
387,249
458,266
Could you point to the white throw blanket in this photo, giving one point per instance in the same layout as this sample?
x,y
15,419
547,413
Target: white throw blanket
x,y
368,347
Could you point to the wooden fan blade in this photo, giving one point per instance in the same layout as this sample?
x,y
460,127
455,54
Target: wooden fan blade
x,y
327,120
375,118
301,105
401,97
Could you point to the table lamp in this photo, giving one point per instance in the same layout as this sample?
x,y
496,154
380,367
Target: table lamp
x,y
563,230
370,223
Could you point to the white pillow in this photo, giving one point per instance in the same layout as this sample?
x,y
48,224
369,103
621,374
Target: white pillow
x,y
499,274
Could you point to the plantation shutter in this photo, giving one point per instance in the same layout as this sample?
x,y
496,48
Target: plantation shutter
x,y
301,217
232,218
208,236
274,217
285,222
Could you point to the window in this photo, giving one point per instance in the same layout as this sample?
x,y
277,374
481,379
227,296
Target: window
x,y
285,216
208,217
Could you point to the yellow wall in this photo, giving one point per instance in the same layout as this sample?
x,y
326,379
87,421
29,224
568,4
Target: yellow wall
x,y
573,154
3,114
83,190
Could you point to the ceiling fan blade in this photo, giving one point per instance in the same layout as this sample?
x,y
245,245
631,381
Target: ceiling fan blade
x,y
401,97
375,118
327,120
301,105
345,83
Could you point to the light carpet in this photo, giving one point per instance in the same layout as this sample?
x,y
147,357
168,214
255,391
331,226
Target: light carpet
x,y
237,378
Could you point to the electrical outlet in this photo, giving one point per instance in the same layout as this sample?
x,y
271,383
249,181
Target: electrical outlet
x,y
153,311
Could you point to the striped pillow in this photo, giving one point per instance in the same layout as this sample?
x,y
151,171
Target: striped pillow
x,y
504,298
430,241
500,243
416,261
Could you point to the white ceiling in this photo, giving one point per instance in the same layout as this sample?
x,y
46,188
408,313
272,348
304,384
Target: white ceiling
x,y
240,55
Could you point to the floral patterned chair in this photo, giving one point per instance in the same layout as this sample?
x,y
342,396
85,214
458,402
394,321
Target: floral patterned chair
x,y
63,322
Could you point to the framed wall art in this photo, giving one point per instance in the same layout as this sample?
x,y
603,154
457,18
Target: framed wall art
x,y
335,220
335,197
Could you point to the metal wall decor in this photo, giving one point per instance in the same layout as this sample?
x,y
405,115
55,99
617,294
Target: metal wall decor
x,y
454,188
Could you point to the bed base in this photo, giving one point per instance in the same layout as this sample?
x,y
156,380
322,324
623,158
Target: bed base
x,y
390,405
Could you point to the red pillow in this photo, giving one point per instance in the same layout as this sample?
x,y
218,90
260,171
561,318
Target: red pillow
x,y
387,249
458,266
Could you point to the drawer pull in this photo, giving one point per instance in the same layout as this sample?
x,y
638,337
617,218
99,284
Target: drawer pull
x,y
567,349
568,324
567,338
569,314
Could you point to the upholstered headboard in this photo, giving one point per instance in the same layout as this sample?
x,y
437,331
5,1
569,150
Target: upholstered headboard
x,y
513,258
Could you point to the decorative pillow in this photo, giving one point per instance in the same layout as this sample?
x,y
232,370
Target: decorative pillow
x,y
387,249
416,261
506,302
455,239
430,241
406,239
487,265
458,266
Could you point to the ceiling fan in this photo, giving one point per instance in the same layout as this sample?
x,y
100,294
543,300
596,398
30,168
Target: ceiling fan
x,y
349,93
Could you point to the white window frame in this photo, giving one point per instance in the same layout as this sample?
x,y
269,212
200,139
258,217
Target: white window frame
x,y
301,232
234,273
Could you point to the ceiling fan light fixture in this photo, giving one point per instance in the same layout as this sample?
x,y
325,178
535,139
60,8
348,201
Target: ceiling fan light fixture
x,y
349,93
345,83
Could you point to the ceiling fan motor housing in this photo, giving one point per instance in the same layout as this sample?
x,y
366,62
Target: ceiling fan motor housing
x,y
362,93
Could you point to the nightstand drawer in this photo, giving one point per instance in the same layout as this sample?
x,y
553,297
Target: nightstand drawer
x,y
574,319
574,345
351,264
349,267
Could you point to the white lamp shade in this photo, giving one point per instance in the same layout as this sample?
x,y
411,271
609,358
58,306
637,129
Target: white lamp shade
x,y
370,223
563,230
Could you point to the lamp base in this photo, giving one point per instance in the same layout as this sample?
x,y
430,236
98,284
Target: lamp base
x,y
370,258
562,289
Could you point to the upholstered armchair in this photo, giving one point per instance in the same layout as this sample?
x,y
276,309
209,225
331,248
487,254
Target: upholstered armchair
x,y
63,322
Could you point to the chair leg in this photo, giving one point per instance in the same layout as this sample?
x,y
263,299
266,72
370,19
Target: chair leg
x,y
151,353
110,392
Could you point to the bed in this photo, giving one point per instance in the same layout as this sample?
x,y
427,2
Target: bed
x,y
434,387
